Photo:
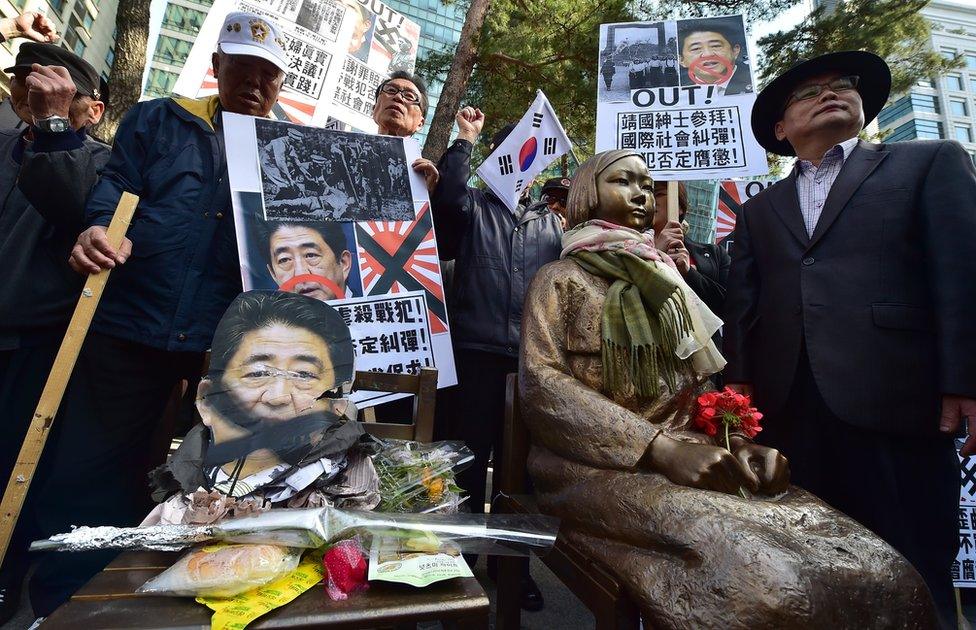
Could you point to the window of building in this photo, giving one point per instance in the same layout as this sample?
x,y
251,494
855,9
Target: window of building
x,y
928,129
925,103
963,133
110,57
948,53
958,107
172,50
926,82
57,5
79,48
916,129
954,82
160,82
183,19
971,61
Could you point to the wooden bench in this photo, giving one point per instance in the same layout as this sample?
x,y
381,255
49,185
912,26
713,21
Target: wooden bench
x,y
596,587
109,601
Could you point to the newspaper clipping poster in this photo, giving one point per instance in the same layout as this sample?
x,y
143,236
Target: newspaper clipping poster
x,y
338,51
680,93
382,42
340,217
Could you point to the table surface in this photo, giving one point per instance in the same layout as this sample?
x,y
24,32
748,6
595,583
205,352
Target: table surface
x,y
109,601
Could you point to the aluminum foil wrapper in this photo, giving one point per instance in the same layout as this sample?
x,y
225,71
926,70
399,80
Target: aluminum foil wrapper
x,y
155,537
506,534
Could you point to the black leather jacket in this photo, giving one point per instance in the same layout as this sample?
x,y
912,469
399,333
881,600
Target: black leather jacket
x,y
496,253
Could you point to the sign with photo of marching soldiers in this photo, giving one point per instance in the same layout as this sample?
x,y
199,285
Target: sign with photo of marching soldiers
x,y
340,217
679,93
338,52
536,142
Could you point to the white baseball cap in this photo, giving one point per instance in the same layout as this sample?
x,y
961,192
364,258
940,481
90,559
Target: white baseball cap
x,y
253,35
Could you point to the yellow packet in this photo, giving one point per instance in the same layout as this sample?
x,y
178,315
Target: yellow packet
x,y
234,613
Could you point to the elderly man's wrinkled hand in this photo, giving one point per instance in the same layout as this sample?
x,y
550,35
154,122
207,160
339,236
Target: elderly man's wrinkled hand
x,y
470,121
93,253
50,91
428,171
35,26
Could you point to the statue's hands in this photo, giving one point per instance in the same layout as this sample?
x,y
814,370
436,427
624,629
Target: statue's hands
x,y
767,467
699,466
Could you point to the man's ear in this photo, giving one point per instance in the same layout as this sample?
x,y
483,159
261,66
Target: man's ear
x,y
215,60
203,408
95,111
735,52
780,131
346,262
421,125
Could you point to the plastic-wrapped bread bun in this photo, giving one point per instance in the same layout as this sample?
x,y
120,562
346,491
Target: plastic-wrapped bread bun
x,y
223,570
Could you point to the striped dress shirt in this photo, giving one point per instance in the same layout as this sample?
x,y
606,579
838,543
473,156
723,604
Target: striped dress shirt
x,y
813,182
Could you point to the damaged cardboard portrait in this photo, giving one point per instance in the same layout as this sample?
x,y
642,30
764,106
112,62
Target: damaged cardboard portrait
x,y
277,427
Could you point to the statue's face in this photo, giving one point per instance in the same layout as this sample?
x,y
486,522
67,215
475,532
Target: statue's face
x,y
626,194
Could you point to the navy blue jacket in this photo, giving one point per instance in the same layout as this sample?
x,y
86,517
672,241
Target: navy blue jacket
x,y
184,270
496,253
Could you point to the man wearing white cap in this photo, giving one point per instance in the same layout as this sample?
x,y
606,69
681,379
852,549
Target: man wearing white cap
x,y
173,278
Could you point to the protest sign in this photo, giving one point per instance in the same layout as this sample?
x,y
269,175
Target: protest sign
x,y
679,93
536,142
338,52
382,42
964,566
731,195
313,174
344,236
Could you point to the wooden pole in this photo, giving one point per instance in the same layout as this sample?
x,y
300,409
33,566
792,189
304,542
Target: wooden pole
x,y
57,381
672,201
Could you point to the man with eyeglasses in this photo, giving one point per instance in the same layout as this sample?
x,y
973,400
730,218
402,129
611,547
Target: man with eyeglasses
x,y
849,309
399,110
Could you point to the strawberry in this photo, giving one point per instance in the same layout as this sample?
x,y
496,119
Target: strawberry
x,y
345,568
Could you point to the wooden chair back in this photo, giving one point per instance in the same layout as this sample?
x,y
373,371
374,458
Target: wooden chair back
x,y
515,443
422,385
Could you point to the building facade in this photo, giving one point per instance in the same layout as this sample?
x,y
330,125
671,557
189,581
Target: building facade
x,y
440,29
180,24
944,108
87,27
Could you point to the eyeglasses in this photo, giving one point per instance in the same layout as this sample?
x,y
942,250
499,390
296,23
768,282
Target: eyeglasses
x,y
840,84
408,95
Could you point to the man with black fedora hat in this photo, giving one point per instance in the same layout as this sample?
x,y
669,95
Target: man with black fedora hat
x,y
849,308
50,166
555,190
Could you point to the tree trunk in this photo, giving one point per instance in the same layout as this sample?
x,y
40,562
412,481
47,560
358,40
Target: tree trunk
x,y
457,80
125,79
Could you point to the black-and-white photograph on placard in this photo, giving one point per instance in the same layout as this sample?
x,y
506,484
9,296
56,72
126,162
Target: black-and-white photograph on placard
x,y
635,56
313,174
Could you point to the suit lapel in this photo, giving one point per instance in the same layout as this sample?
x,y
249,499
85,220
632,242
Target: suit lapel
x,y
860,164
787,205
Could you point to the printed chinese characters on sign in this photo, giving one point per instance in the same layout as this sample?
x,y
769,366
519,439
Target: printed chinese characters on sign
x,y
680,94
338,52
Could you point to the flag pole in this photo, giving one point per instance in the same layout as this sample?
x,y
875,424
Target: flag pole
x,y
57,381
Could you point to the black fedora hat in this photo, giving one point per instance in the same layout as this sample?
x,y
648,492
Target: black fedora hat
x,y
874,86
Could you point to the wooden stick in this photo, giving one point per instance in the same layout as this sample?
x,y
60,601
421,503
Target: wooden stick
x,y
57,381
672,201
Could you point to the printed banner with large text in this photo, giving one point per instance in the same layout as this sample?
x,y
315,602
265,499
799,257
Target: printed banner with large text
x,y
341,217
338,52
679,93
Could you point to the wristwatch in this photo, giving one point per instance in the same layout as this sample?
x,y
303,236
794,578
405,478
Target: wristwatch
x,y
52,124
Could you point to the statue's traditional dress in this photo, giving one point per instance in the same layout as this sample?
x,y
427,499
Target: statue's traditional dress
x,y
690,558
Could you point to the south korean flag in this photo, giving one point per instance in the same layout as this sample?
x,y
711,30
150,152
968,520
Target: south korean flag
x,y
537,140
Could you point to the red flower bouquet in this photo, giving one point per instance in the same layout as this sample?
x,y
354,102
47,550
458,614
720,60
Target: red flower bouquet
x,y
727,410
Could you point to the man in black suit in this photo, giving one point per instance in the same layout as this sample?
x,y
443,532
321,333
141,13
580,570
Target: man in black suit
x,y
849,309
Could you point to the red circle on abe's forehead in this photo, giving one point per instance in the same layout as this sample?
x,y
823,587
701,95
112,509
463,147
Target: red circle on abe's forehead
x,y
290,284
718,75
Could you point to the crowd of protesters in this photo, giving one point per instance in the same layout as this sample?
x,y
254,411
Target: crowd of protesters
x,y
846,299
